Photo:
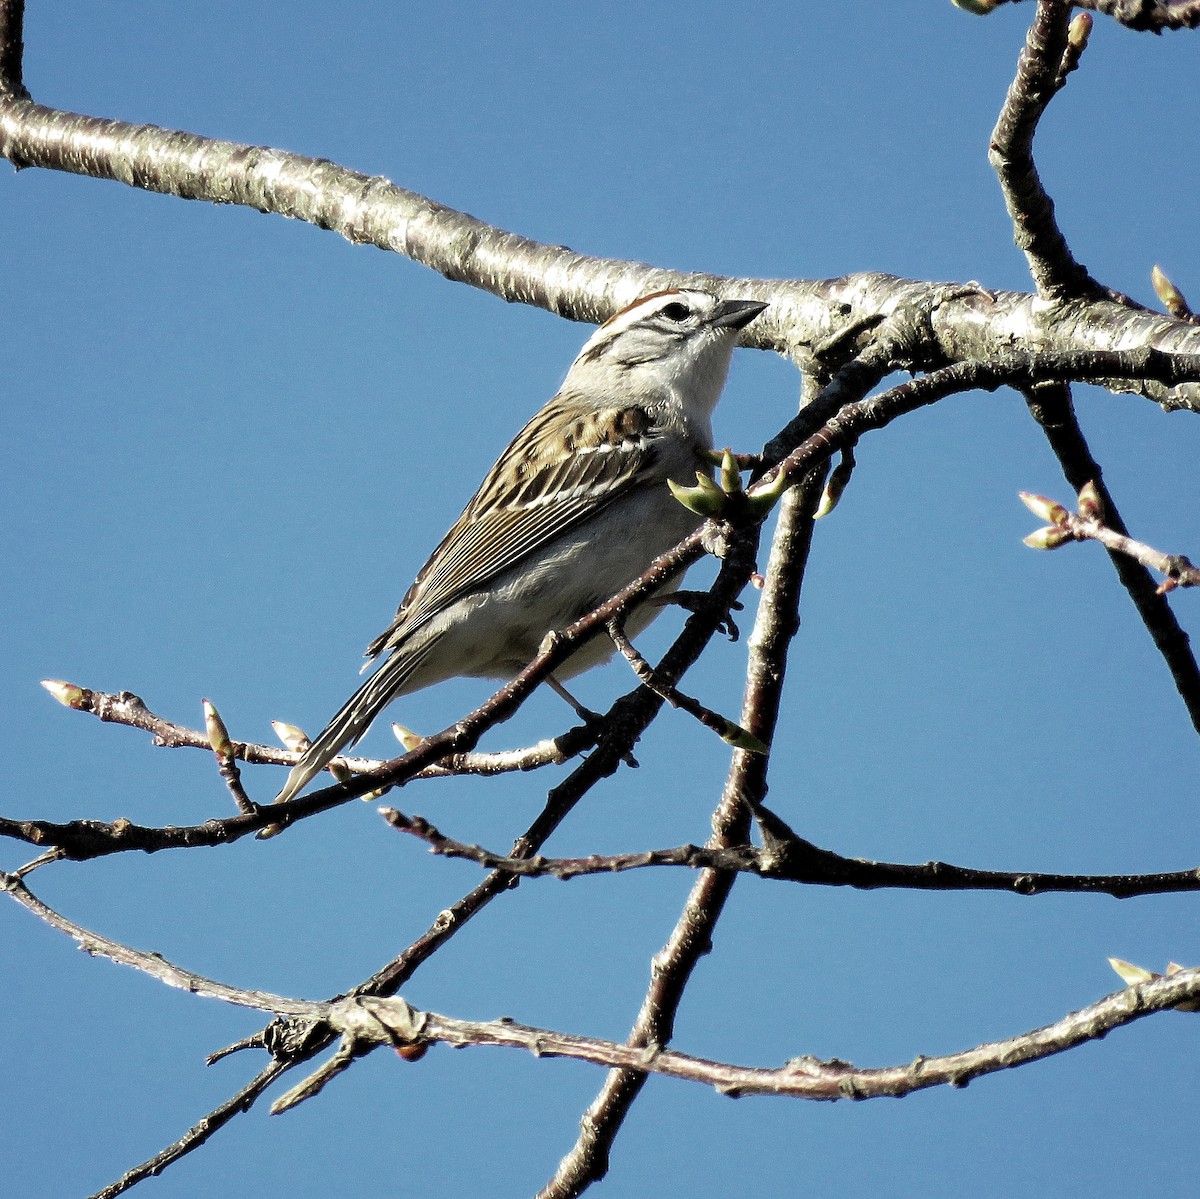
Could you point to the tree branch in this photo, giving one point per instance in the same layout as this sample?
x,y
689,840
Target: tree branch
x,y
792,859
1088,524
1052,408
366,1023
84,839
1052,50
806,320
87,839
129,709
1145,16
672,967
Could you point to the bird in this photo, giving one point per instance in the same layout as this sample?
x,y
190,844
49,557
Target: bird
x,y
575,508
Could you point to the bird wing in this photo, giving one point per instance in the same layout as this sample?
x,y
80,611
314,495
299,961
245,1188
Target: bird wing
x,y
567,464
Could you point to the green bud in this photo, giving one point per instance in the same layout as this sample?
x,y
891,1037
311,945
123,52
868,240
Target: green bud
x,y
218,734
702,500
741,738
731,477
67,694
291,737
1090,505
1048,538
763,496
1044,509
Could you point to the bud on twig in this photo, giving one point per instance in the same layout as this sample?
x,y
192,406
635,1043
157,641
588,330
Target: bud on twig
x,y
1170,295
1090,505
1078,32
705,499
291,737
1044,509
1131,975
764,496
68,694
1048,538
836,484
218,734
413,1052
406,737
742,738
731,477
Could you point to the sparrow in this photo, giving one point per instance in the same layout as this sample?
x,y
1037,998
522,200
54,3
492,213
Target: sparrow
x,y
575,508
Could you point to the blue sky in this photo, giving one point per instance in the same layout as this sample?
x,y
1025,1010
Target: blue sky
x,y
231,440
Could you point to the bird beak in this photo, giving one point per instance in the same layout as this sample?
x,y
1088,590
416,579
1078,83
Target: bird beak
x,y
736,314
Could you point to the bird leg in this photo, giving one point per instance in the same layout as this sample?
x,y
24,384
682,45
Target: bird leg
x,y
593,721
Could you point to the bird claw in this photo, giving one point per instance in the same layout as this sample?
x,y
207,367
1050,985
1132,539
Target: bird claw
x,y
704,601
597,726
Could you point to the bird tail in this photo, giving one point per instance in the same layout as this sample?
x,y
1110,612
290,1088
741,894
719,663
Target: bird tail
x,y
354,717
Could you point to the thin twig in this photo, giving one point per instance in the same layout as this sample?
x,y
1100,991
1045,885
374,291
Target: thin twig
x,y
365,1024
1051,406
1177,571
128,709
154,964
729,731
797,861
84,839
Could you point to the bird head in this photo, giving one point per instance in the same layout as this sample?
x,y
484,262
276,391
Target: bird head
x,y
668,343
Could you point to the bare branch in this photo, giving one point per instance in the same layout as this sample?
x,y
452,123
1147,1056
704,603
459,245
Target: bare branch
x,y
1052,408
370,1024
672,966
88,839
795,860
1052,50
810,1078
365,1023
129,709
815,322
83,839
153,964
729,732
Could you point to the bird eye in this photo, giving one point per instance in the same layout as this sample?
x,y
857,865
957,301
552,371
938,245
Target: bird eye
x,y
675,311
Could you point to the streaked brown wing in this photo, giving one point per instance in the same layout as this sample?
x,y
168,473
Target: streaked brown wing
x,y
534,493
